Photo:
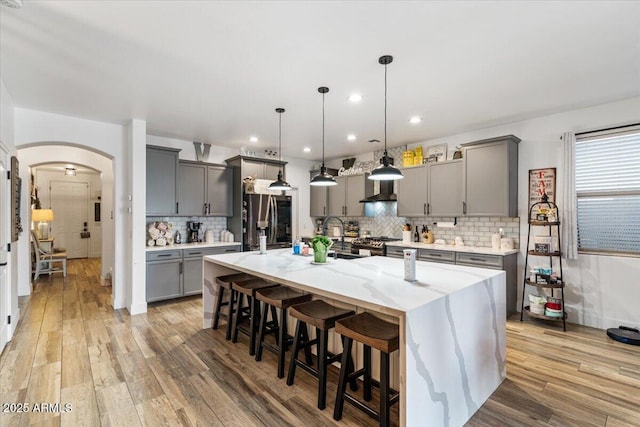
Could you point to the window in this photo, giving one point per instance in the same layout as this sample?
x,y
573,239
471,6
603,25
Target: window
x,y
608,190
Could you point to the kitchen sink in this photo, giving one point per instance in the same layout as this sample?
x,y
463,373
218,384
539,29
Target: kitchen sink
x,y
344,255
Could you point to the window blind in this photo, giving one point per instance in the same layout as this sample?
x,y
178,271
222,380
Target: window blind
x,y
608,191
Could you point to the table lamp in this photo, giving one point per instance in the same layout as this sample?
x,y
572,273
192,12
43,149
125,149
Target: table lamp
x,y
42,216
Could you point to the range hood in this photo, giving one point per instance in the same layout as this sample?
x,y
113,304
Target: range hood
x,y
386,194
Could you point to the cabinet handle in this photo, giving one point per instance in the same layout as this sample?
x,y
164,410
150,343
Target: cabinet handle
x,y
162,255
204,209
180,268
208,208
324,210
194,253
436,255
464,207
478,259
428,208
424,208
177,207
231,250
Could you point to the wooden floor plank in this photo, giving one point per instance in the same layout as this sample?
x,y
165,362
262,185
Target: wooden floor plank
x,y
84,407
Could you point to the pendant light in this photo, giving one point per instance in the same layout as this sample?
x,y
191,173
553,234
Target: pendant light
x,y
280,184
323,179
385,171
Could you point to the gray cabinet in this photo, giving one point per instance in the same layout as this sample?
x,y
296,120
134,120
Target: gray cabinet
x,y
164,270
412,191
435,255
508,263
491,177
219,191
446,190
174,273
344,198
261,170
204,189
162,179
318,196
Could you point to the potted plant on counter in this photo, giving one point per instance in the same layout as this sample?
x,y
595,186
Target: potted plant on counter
x,y
320,245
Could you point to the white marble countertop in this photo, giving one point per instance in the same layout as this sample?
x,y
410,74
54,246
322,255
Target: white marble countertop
x,y
454,248
373,282
191,246
452,323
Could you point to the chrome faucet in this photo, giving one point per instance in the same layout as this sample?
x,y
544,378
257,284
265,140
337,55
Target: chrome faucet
x,y
324,229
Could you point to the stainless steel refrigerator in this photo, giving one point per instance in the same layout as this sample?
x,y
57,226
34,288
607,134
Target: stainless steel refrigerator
x,y
268,212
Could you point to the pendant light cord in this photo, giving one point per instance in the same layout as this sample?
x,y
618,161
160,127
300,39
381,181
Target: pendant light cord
x,y
323,130
385,111
280,137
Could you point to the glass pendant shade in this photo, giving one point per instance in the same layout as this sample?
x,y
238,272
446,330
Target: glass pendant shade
x,y
279,183
323,179
385,171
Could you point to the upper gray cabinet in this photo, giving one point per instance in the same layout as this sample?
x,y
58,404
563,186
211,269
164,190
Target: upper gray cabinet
x,y
205,189
491,177
412,191
344,198
446,190
318,196
162,178
261,169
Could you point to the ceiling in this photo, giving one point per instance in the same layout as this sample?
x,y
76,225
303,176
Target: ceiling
x,y
215,71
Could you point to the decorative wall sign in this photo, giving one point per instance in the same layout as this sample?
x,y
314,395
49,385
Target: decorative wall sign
x,y
16,185
202,151
439,150
541,181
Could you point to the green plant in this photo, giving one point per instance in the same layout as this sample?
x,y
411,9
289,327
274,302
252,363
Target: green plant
x,y
321,243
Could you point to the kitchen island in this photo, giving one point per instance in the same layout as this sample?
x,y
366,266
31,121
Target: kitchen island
x,y
452,321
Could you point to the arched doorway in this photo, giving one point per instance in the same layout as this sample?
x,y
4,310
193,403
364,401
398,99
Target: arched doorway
x,y
40,154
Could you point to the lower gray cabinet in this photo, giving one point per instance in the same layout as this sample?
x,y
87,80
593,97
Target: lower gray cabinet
x,y
178,272
163,275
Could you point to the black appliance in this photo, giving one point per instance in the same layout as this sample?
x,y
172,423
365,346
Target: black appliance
x,y
374,244
268,212
193,230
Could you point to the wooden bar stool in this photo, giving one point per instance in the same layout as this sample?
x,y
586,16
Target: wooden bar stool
x,y
247,288
323,317
281,298
371,332
224,284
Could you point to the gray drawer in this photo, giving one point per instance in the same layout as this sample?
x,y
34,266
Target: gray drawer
x,y
164,255
200,252
395,251
479,260
224,250
437,256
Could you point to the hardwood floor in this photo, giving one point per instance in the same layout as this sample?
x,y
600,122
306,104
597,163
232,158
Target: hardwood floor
x,y
160,368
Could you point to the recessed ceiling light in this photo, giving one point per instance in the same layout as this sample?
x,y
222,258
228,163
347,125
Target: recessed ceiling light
x,y
355,97
306,149
351,137
415,119
253,139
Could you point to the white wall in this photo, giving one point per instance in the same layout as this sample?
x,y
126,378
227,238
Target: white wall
x,y
7,138
602,291
57,135
43,179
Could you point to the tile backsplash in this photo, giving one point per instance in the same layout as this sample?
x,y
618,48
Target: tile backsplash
x,y
217,224
381,220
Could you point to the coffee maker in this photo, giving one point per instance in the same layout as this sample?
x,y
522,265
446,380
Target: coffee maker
x,y
193,229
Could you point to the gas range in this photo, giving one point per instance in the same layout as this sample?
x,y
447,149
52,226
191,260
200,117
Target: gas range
x,y
376,245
